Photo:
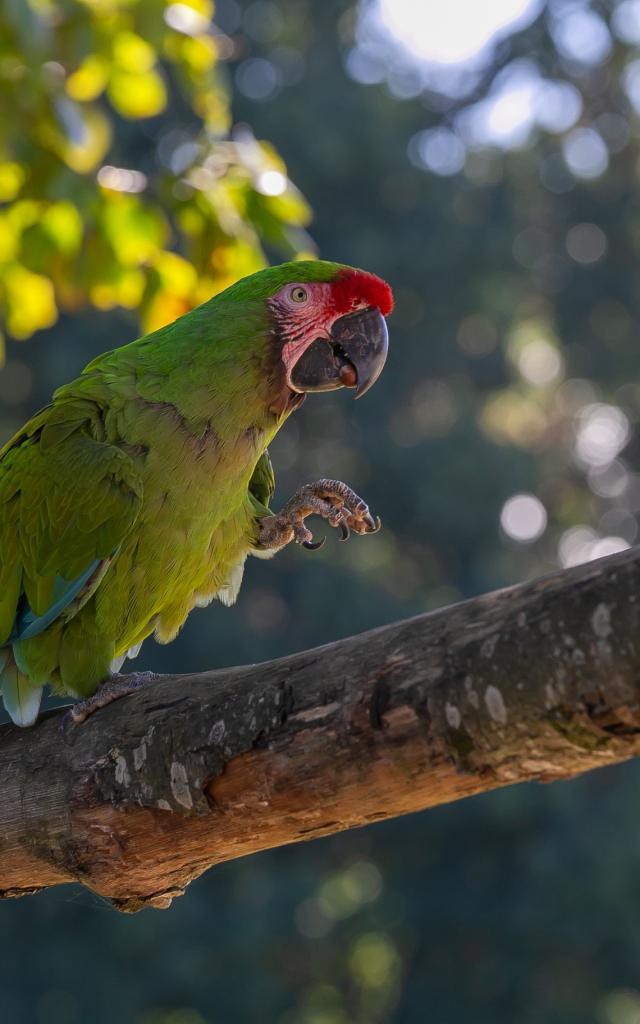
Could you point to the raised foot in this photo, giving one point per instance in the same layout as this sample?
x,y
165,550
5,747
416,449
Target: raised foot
x,y
332,500
115,688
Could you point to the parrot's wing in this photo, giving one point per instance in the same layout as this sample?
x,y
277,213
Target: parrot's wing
x,y
263,484
67,502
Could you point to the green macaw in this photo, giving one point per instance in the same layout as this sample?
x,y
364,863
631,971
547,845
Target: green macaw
x,y
138,493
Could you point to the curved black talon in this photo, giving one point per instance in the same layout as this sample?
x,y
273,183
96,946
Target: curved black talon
x,y
377,525
313,545
345,531
66,722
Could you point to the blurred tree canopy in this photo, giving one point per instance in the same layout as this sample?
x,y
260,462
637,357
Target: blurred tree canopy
x,y
500,197
76,79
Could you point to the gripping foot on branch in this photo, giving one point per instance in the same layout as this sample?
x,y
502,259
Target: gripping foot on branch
x,y
115,688
332,500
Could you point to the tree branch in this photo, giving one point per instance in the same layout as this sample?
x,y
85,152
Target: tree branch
x,y
541,681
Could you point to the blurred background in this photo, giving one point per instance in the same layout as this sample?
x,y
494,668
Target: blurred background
x,y
485,159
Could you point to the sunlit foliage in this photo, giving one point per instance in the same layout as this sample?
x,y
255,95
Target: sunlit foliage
x,y
76,227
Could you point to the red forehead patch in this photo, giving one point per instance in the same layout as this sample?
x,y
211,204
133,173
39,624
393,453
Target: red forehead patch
x,y
351,288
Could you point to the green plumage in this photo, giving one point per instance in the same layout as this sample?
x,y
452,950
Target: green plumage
x,y
148,473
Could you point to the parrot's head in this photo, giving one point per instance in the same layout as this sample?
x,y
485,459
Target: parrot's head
x,y
329,327
309,325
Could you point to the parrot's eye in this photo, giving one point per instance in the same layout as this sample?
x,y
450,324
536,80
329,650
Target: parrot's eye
x,y
298,294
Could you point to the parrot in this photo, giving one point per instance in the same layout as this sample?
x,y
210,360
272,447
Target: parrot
x,y
137,494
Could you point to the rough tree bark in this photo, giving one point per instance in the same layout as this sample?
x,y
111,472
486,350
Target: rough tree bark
x,y
540,681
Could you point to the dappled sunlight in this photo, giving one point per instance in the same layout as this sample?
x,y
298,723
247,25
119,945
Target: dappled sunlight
x,y
456,34
584,544
602,432
523,518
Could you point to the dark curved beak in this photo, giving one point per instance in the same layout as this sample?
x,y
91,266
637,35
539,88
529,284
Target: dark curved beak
x,y
353,357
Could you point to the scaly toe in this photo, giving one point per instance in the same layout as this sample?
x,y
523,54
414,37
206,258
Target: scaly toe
x,y
336,517
117,687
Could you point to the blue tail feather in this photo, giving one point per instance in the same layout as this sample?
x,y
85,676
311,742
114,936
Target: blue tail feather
x,y
28,624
